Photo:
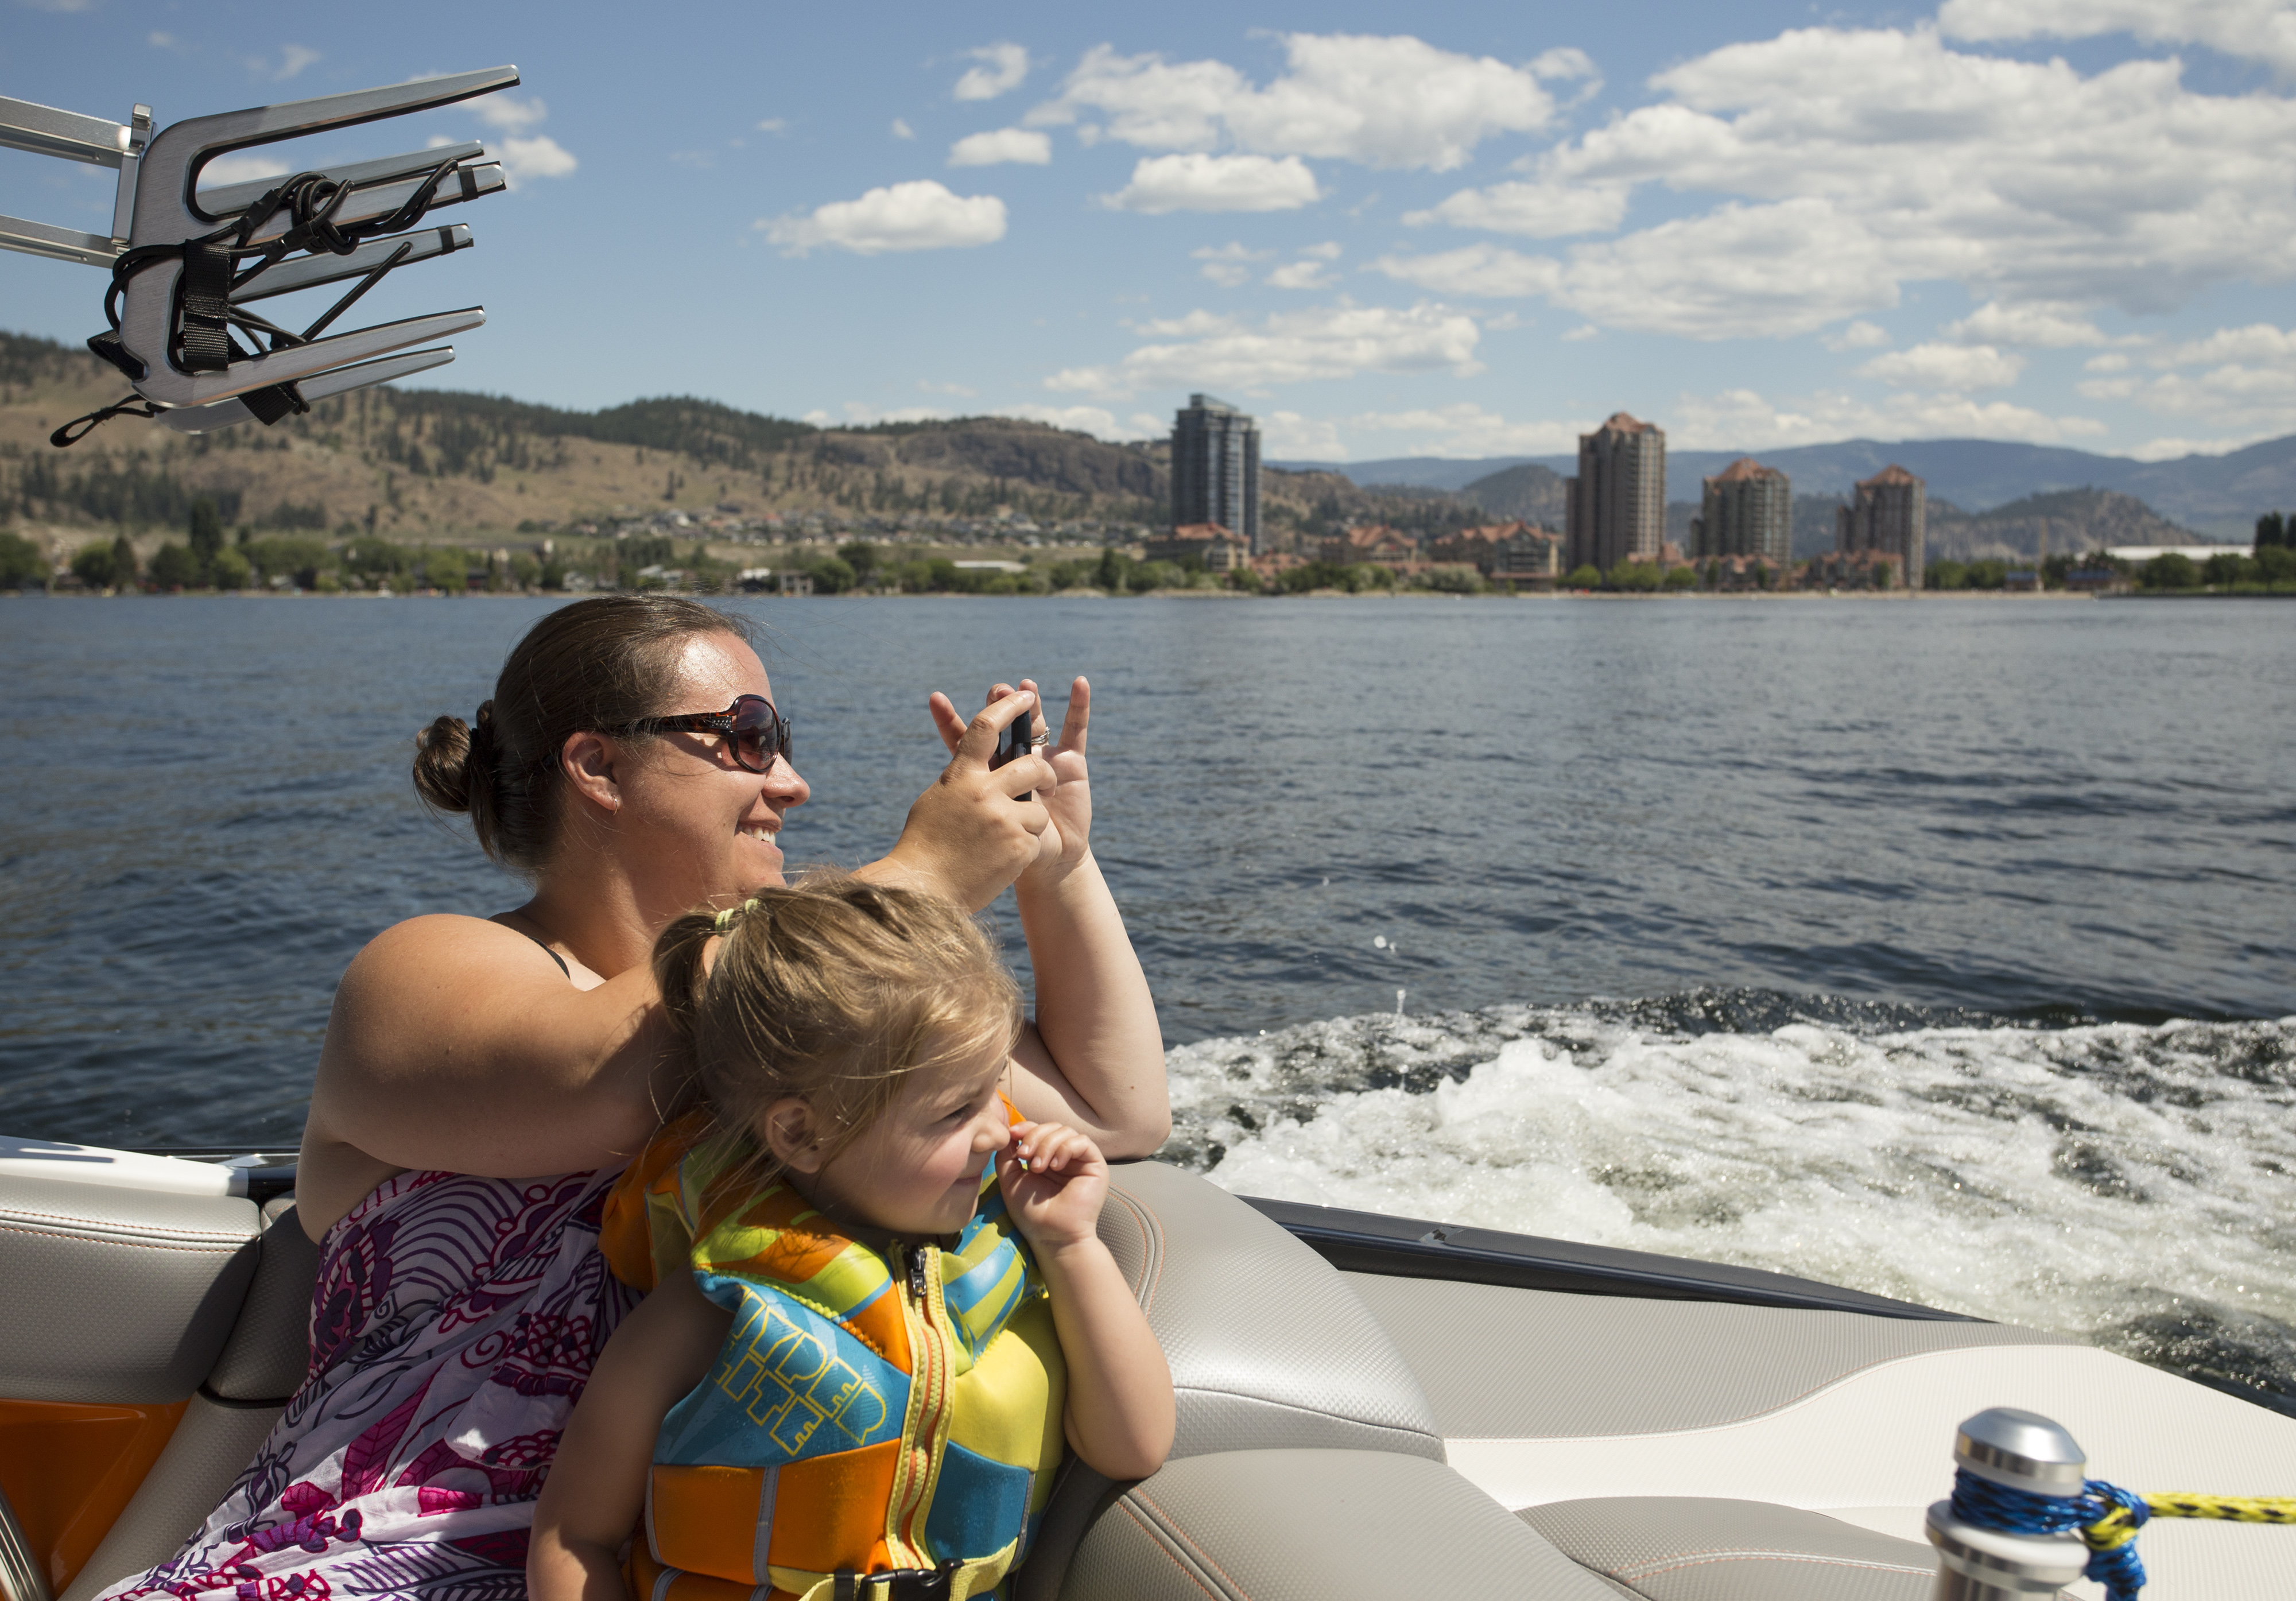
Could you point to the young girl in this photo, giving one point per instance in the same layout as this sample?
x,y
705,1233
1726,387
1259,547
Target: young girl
x,y
854,1376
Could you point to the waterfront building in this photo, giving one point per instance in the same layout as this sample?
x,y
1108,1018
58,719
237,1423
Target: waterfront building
x,y
1748,511
1889,517
1515,552
1616,507
1854,570
1212,546
1387,546
1216,469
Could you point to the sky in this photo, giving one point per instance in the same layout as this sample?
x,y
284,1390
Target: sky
x,y
1461,230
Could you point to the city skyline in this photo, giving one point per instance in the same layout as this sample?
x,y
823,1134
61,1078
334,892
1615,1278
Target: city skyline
x,y
1457,233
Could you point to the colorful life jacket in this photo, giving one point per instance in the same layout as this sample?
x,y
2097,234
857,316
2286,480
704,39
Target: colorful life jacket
x,y
894,1413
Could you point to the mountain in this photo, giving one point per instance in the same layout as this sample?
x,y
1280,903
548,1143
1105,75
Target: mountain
x,y
2219,495
442,463
2069,520
1531,492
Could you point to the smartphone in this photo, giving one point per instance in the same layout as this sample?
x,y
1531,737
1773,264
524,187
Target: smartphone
x,y
1017,741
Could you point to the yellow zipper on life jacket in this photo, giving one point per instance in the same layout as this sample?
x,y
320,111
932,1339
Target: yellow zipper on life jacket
x,y
931,1401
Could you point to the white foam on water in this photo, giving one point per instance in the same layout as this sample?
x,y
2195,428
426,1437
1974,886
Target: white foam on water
x,y
2081,1179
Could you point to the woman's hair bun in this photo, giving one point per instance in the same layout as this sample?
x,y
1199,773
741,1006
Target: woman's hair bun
x,y
445,755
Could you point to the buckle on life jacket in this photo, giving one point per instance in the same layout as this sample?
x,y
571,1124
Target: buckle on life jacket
x,y
895,1584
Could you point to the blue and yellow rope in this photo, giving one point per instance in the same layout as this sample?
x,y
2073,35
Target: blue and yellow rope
x,y
2107,1518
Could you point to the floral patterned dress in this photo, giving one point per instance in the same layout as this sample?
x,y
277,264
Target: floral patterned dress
x,y
453,1323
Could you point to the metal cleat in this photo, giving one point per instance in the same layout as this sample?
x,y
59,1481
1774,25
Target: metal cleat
x,y
186,262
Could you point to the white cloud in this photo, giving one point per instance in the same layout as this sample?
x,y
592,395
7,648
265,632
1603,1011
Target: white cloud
x,y
1859,335
1201,182
2112,362
902,130
920,214
1487,270
1002,68
509,113
773,125
2257,29
2041,324
1301,274
1206,351
540,157
1879,157
1287,433
1745,420
161,41
1228,265
1021,144
1942,366
1329,250
2258,341
292,59
1582,334
1467,429
1541,210
861,413
1094,420
1390,102
930,387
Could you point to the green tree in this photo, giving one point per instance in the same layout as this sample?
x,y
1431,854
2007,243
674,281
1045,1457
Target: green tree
x,y
20,561
1110,574
1586,576
525,571
1714,572
174,567
1764,579
230,569
834,575
124,565
92,565
861,556
1681,578
2272,531
448,569
298,559
1883,574
1635,577
2170,571
206,531
1948,575
1450,581
2275,563
2227,569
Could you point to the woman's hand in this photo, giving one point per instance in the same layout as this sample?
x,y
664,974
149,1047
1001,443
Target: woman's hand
x,y
1069,805
1054,1181
971,834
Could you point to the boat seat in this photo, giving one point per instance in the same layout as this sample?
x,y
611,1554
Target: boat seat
x,y
261,1365
1306,1461
1691,1548
1313,1525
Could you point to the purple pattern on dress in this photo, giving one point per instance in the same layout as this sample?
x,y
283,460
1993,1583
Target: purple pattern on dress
x,y
452,1325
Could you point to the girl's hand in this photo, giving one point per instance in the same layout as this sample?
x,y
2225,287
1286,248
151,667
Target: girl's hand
x,y
1054,1181
1069,805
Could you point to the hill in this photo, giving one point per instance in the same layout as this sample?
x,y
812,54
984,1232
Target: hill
x,y
2221,495
1528,491
416,463
2069,519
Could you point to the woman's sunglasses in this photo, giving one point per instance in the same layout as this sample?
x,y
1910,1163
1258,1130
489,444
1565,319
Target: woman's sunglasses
x,y
753,729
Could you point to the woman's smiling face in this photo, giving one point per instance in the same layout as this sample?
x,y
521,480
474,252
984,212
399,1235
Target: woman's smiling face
x,y
694,824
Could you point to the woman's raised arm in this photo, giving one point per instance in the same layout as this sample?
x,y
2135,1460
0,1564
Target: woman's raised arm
x,y
1093,1058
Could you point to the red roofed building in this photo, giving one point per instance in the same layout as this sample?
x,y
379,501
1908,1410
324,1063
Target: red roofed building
x,y
1505,552
1890,518
1218,550
1379,543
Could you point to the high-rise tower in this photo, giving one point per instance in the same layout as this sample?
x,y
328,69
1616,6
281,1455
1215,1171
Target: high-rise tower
x,y
1216,469
1748,511
1889,517
1616,507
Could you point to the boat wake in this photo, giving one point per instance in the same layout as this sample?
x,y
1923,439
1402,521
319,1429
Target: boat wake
x,y
2132,1184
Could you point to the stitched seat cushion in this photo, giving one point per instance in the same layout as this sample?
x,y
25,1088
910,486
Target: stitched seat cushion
x,y
1690,1548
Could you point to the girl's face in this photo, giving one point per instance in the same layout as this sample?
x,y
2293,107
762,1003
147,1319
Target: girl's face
x,y
916,1170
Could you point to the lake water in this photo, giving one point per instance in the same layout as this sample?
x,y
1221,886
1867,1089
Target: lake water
x,y
1944,949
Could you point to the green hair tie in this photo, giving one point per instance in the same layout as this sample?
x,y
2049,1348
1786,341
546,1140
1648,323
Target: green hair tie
x,y
732,915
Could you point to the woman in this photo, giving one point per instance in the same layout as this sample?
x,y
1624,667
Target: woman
x,y
482,1080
